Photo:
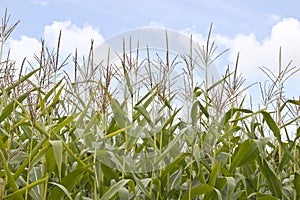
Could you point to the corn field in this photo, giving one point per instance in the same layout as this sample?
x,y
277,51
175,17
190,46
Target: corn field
x,y
65,137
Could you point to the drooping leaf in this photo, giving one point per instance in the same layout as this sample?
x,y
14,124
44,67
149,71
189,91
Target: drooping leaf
x,y
229,114
113,190
272,124
63,188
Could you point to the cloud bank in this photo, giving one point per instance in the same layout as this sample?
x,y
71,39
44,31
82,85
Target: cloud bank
x,y
73,37
255,53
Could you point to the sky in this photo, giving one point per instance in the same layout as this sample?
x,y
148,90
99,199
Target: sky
x,y
256,29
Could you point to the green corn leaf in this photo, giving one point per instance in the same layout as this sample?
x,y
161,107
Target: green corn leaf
x,y
12,182
142,185
109,173
231,184
15,84
297,184
214,173
170,119
92,121
194,112
144,112
173,145
62,188
62,124
176,179
198,190
174,165
51,91
291,101
57,96
18,193
228,115
218,82
113,190
117,132
267,197
204,110
50,157
246,152
272,178
10,107
287,156
123,194
57,147
147,95
69,182
272,124
34,152
119,114
40,155
83,114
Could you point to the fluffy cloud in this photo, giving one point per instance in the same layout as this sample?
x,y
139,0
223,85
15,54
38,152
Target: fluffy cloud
x,y
72,37
255,53
25,47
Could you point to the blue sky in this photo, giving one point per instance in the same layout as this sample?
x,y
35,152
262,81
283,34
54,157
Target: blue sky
x,y
255,28
230,17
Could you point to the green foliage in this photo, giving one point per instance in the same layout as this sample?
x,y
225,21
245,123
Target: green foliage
x,y
56,143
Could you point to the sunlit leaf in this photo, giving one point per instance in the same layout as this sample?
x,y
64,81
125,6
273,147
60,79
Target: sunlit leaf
x,y
57,147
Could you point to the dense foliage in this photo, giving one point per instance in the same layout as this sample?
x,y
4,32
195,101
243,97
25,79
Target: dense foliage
x,y
72,138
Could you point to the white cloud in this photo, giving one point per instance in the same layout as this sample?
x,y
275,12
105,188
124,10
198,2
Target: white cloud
x,y
25,47
255,53
195,35
72,37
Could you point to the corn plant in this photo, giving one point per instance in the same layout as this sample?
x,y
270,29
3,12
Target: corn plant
x,y
65,137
